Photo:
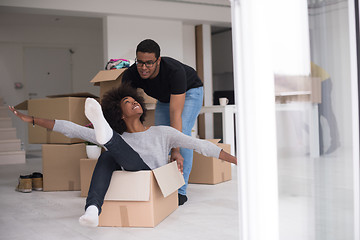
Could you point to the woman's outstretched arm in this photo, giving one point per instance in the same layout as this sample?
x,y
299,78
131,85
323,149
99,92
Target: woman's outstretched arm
x,y
42,122
69,129
201,146
227,157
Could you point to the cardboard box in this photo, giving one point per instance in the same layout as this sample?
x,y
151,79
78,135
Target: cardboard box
x,y
87,167
209,170
63,107
108,79
61,166
141,199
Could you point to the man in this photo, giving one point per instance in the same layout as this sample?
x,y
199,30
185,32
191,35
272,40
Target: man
x,y
179,92
326,110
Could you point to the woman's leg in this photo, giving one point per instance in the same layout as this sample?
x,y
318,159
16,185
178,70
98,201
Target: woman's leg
x,y
94,113
99,184
325,110
124,156
119,154
100,180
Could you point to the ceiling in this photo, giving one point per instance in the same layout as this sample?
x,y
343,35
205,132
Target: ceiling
x,y
19,16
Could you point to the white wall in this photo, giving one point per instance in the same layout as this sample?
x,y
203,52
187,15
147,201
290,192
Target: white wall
x,y
84,39
18,31
189,45
184,11
124,33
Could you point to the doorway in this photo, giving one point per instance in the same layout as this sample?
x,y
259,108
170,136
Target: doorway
x,y
47,71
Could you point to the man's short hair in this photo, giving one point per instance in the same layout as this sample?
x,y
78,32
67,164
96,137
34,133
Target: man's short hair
x,y
112,108
149,46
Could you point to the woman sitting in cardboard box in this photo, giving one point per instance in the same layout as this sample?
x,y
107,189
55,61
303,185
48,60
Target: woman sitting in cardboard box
x,y
118,126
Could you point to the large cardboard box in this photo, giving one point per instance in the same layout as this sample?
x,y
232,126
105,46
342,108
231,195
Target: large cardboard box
x,y
61,166
209,170
63,107
108,79
141,199
87,167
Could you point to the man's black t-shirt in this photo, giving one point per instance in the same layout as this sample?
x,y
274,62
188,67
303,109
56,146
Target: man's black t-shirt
x,y
174,78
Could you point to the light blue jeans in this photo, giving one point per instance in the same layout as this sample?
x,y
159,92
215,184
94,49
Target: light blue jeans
x,y
192,107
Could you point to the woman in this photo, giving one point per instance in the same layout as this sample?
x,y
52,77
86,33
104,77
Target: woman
x,y
131,145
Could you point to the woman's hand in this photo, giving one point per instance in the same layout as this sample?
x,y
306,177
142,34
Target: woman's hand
x,y
20,115
176,156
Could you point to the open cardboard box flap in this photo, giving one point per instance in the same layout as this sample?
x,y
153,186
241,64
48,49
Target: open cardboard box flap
x,y
135,186
169,178
107,75
22,106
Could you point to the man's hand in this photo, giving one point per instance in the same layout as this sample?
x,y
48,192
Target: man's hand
x,y
176,156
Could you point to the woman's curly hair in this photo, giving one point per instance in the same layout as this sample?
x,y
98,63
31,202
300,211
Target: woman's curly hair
x,y
111,107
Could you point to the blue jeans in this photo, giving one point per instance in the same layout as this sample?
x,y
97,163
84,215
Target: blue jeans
x,y
192,107
326,110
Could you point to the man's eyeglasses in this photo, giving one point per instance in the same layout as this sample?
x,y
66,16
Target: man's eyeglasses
x,y
148,64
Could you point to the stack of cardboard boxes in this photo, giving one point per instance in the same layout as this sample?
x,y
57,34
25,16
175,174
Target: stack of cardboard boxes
x,y
209,170
60,155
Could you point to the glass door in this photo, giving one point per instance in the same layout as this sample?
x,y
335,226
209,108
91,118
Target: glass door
x,y
300,181
317,132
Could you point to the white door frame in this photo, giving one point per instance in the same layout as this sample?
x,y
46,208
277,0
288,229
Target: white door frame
x,y
258,219
355,115
255,121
